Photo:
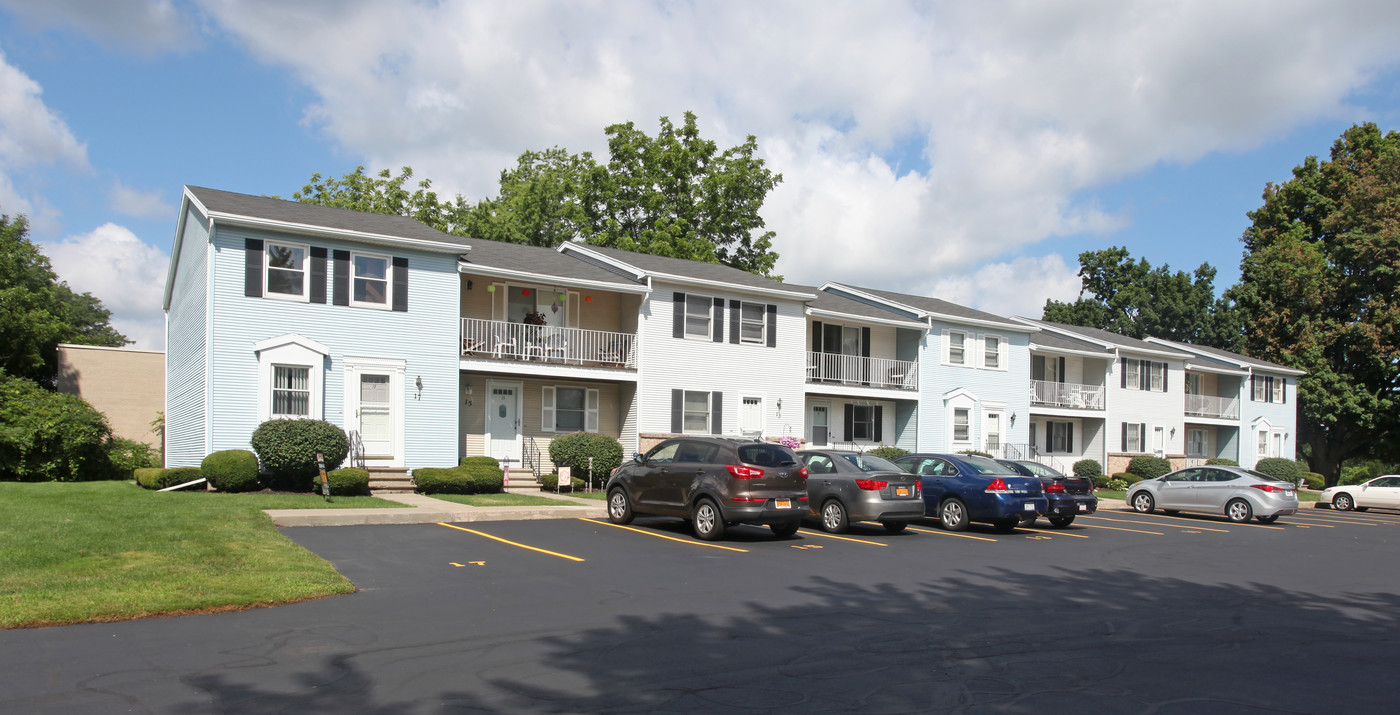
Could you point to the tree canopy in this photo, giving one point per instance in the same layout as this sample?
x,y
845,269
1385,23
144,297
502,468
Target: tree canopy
x,y
675,194
38,311
1320,290
1131,298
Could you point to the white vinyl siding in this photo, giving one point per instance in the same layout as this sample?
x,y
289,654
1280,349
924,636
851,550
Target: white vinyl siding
x,y
187,349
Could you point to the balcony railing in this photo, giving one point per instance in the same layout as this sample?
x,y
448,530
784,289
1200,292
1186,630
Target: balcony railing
x,y
545,343
1212,406
1066,394
857,370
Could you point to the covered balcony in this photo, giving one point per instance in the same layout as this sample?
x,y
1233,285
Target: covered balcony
x,y
835,368
505,340
1211,406
1045,393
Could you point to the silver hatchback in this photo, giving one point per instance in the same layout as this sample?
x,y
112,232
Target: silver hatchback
x,y
843,487
1238,493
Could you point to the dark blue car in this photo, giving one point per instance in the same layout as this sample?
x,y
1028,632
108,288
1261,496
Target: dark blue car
x,y
959,489
1068,496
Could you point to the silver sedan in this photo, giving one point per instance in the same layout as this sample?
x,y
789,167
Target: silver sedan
x,y
1240,494
843,487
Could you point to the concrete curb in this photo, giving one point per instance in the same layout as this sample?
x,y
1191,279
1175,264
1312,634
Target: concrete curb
x,y
427,510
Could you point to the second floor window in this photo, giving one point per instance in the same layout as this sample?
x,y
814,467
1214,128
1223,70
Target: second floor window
x,y
991,349
955,348
697,316
286,270
1132,373
371,276
753,322
1158,372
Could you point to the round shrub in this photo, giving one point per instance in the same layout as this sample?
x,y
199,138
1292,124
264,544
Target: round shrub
x,y
232,470
287,450
1314,480
349,482
157,478
148,477
51,436
1223,462
128,455
1088,468
573,451
890,453
1284,470
1149,467
550,483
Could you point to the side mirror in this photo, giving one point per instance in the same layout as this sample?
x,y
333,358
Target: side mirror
x,y
638,458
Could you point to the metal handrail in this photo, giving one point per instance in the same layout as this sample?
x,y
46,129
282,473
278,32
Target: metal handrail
x,y
505,340
857,370
1045,393
1212,406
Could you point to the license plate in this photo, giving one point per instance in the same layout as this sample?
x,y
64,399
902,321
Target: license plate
x,y
1084,507
1028,507
1288,494
782,503
901,491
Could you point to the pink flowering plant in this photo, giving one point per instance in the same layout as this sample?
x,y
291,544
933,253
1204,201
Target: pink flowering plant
x,y
790,442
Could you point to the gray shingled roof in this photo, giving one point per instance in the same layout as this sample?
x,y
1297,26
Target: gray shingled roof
x,y
837,304
941,307
1233,359
537,260
1051,340
717,272
1121,341
320,216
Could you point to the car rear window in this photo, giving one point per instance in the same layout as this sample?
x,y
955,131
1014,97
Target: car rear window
x,y
982,465
1040,470
766,455
871,463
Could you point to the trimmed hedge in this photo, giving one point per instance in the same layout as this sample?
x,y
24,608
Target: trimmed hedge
x,y
573,451
1284,470
51,436
890,453
1088,468
1128,477
1314,480
550,483
232,470
1149,467
287,450
489,461
1223,462
349,482
157,478
468,478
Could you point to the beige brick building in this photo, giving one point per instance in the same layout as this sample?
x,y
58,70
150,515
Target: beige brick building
x,y
126,385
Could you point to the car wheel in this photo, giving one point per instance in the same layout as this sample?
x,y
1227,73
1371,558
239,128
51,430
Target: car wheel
x,y
1142,503
952,515
1343,502
1060,522
708,522
785,529
1239,511
834,517
1029,521
1006,526
894,527
1267,519
619,506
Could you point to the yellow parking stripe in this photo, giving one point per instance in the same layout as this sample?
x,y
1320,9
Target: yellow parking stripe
x,y
1361,520
512,543
1197,520
663,536
1119,528
951,533
811,532
1053,532
1153,523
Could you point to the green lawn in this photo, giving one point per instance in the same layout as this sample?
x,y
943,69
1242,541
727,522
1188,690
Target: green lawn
x,y
595,494
1111,494
502,499
101,551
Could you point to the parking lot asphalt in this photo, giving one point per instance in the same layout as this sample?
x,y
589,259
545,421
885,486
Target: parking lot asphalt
x,y
1119,613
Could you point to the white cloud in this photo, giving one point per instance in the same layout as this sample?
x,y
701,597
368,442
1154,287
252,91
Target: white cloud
x,y
1018,287
124,272
31,133
141,204
146,27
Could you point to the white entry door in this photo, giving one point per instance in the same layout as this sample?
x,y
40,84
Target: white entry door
x,y
503,422
1159,441
374,407
376,415
820,436
751,417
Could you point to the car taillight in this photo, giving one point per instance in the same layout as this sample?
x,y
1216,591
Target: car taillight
x,y
803,472
871,485
739,471
997,485
748,499
1055,488
918,486
1268,488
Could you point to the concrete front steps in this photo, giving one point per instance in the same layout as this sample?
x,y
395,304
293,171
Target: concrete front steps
x,y
390,480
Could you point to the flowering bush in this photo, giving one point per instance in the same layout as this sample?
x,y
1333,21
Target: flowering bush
x,y
791,442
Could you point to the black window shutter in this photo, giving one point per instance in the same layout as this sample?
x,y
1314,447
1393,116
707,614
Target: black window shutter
x,y
340,278
850,421
772,325
1142,436
1123,374
1253,387
879,421
1269,389
400,284
1123,444
252,267
677,408
734,321
1285,388
865,342
1165,372
318,274
678,318
1144,375
1038,367
816,336
1049,437
1069,437
1060,374
717,413
717,334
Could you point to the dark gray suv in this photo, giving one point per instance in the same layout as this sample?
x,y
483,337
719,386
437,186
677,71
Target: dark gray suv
x,y
713,482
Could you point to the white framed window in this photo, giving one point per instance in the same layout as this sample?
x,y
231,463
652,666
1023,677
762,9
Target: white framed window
x,y
991,352
291,391
568,409
285,271
1061,438
1134,382
695,419
753,323
369,285
290,380
1196,442
1133,439
957,350
1278,389
961,424
862,422
1277,450
1158,373
1260,389
697,316
1262,448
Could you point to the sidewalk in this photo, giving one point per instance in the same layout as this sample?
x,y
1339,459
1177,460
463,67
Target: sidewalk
x,y
427,510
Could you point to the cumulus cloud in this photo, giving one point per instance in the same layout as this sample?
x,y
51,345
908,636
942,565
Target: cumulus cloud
x,y
127,274
146,27
1017,287
141,204
32,136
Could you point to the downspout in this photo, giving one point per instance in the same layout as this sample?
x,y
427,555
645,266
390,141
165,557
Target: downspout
x,y
208,340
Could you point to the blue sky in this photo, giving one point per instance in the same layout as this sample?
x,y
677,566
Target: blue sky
x,y
965,150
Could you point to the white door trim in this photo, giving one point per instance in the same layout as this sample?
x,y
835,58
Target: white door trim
x,y
394,368
519,388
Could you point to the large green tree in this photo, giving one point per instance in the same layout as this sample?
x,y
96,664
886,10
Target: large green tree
x,y
1320,290
1132,298
675,194
38,311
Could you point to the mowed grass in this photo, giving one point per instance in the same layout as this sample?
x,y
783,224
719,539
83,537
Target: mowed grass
x,y
501,499
103,551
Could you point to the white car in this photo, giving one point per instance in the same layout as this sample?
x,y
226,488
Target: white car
x,y
1380,493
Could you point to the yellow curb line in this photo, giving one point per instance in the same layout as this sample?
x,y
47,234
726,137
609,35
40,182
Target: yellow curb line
x,y
950,533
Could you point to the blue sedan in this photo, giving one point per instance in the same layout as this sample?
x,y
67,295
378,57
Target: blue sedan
x,y
959,489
